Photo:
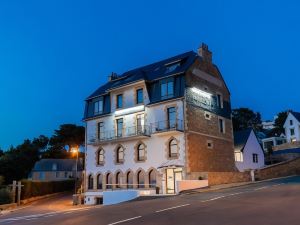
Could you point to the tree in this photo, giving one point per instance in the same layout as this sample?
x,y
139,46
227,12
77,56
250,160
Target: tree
x,y
280,120
1,152
243,118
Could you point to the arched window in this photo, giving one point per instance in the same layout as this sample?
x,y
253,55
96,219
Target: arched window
x,y
152,179
100,157
141,152
99,181
120,155
129,179
109,181
140,179
118,180
90,182
173,149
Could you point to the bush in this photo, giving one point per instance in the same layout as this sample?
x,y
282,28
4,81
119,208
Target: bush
x,y
39,188
5,196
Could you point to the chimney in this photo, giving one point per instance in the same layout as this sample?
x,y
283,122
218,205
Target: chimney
x,y
113,76
205,53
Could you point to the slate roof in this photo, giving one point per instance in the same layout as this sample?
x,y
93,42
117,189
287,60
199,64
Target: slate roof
x,y
61,165
149,73
296,115
286,151
240,138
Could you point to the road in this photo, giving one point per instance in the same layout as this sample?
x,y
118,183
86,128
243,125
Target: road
x,y
267,203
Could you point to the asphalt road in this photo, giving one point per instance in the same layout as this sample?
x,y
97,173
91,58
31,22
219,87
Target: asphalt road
x,y
266,203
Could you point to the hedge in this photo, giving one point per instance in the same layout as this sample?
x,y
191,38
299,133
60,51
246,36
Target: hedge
x,y
39,188
5,196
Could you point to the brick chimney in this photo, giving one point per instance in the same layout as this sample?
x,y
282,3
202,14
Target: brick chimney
x,y
205,53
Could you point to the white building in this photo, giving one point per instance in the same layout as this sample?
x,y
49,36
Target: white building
x,y
270,142
154,126
292,127
247,150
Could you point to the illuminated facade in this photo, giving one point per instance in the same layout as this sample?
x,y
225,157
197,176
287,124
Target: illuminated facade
x,y
153,126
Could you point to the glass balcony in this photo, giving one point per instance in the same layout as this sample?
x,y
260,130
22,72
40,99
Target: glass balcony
x,y
129,132
167,125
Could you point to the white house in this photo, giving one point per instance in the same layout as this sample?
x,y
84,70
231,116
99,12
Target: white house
x,y
292,127
155,126
247,150
270,142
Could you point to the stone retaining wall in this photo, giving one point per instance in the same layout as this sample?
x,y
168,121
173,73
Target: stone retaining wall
x,y
216,178
291,167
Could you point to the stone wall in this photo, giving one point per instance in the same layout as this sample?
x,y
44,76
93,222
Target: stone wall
x,y
291,167
216,178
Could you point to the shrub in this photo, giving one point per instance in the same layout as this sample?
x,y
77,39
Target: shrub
x,y
39,188
5,196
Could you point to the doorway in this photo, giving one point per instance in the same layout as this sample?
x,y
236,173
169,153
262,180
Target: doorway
x,y
172,176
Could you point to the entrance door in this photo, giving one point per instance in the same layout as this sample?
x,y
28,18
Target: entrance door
x,y
173,175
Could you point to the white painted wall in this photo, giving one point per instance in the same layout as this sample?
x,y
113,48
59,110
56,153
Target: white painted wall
x,y
252,146
288,128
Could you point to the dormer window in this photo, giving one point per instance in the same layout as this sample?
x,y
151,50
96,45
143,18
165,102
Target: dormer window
x,y
98,107
167,88
119,101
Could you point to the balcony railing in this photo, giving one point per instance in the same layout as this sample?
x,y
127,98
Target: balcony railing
x,y
142,130
167,125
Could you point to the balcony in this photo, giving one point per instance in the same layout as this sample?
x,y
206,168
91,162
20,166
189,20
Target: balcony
x,y
167,126
115,135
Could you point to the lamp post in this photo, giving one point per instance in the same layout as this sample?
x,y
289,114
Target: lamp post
x,y
75,150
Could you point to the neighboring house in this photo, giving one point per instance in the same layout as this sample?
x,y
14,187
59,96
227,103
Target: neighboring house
x,y
247,150
268,125
56,169
271,142
158,124
292,127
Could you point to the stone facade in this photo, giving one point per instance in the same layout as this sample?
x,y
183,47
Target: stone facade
x,y
202,129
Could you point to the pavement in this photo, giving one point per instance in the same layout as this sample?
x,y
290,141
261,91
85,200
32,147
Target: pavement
x,y
264,203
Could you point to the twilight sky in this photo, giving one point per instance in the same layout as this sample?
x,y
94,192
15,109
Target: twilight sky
x,y
53,54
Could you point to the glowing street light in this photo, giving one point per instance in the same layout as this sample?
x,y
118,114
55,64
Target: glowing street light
x,y
75,150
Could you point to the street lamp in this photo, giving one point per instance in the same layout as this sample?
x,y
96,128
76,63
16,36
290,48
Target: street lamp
x,y
75,150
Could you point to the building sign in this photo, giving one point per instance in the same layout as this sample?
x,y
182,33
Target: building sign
x,y
200,98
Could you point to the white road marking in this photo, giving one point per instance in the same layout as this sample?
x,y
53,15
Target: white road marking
x,y
264,187
216,198
275,185
122,221
175,207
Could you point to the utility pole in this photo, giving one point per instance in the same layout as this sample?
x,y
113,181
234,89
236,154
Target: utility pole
x,y
19,192
14,186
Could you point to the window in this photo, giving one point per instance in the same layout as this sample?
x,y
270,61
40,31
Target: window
x,y
167,88
118,180
120,155
171,67
100,130
98,107
129,179
221,126
207,115
238,156
152,179
292,131
255,158
57,174
173,148
119,127
109,181
66,174
171,117
291,122
90,181
141,152
209,144
54,166
140,123
139,96
119,101
99,181
219,100
140,179
100,157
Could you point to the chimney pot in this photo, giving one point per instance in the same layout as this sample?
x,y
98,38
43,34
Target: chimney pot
x,y
204,52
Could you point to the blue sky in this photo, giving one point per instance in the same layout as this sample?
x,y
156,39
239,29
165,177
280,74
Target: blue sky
x,y
53,54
